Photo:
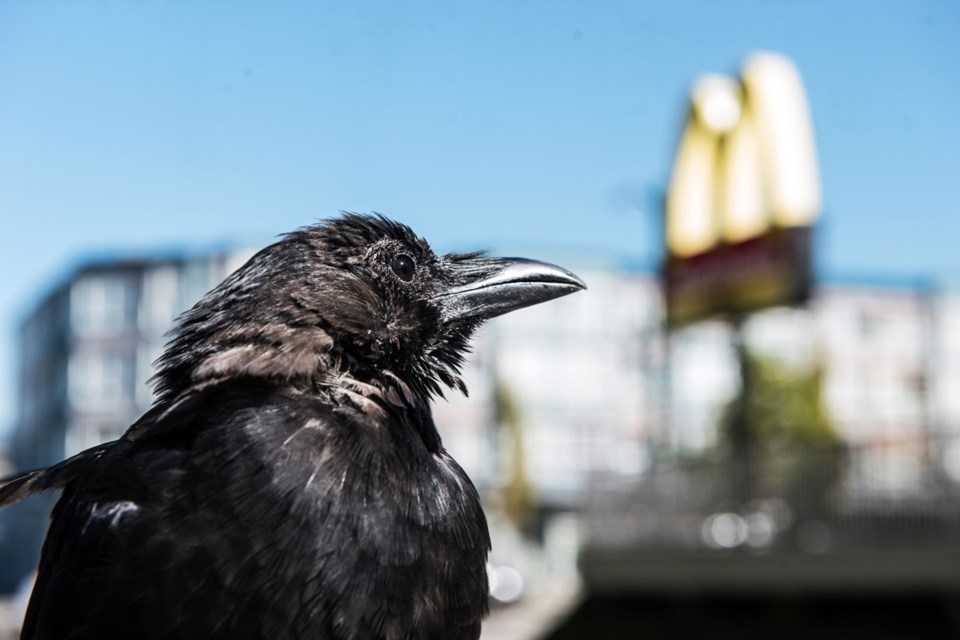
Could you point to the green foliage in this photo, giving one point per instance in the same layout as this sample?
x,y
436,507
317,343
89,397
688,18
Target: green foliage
x,y
785,407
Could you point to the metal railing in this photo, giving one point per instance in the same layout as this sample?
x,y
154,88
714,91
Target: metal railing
x,y
890,496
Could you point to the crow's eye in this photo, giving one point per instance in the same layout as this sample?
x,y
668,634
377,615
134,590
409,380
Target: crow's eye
x,y
404,268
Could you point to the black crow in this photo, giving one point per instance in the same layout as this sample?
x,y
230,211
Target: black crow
x,y
289,482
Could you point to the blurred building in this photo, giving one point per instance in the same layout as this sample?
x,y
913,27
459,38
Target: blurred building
x,y
597,396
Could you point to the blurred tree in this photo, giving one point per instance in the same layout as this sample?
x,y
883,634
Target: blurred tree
x,y
519,501
784,408
788,445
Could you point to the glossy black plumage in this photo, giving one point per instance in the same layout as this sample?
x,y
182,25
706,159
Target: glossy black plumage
x,y
290,481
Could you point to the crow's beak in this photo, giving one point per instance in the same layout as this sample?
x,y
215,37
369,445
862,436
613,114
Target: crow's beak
x,y
498,285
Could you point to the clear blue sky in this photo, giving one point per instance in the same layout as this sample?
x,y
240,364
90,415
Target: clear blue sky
x,y
146,123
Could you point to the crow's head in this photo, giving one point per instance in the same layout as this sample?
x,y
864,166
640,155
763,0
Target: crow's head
x,y
358,294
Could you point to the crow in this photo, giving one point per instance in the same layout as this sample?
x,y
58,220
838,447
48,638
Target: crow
x,y
289,481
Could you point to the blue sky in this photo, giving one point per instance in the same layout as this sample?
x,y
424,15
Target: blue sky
x,y
144,124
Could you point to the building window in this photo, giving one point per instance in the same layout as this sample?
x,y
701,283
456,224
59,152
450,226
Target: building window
x,y
159,302
99,381
102,303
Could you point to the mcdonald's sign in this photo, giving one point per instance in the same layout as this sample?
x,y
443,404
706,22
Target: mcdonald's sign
x,y
743,195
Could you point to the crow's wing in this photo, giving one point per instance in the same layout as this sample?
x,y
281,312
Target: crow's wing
x,y
94,578
174,535
20,486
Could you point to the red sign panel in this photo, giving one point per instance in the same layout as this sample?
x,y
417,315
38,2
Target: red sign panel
x,y
770,270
